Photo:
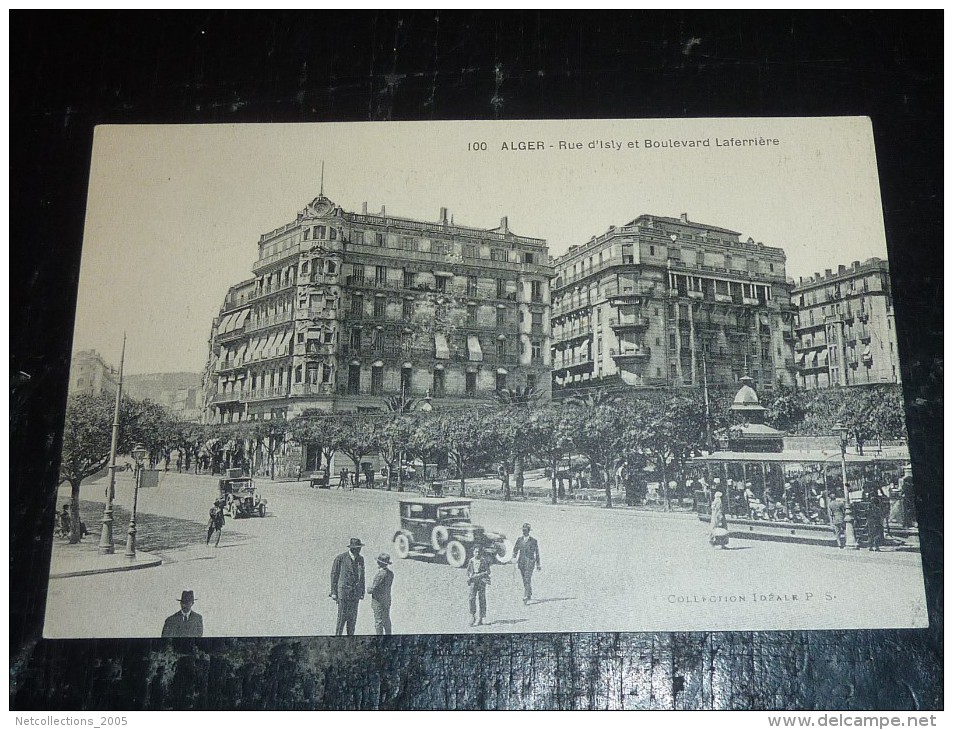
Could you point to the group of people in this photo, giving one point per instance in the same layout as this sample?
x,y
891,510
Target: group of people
x,y
349,587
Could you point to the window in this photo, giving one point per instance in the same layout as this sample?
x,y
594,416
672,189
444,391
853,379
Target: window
x,y
438,383
529,258
599,346
356,338
498,254
500,317
536,291
354,379
380,275
377,340
470,386
440,283
408,279
671,342
471,286
377,380
471,316
651,250
537,350
307,234
319,232
627,254
298,374
380,307
501,288
531,381
537,323
300,337
333,234
469,252
406,378
332,267
500,381
359,237
598,316
379,239
328,337
440,247
326,374
357,306
409,243
407,310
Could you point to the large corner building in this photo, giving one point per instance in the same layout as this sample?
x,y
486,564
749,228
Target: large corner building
x,y
344,309
670,302
846,333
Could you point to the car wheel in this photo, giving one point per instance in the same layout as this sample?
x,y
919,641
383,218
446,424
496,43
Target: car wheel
x,y
456,554
261,510
439,537
401,546
504,551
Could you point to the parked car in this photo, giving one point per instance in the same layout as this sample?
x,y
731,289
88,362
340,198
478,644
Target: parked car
x,y
241,498
442,526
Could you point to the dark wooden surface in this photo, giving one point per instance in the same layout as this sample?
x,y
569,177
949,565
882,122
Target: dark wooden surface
x,y
72,71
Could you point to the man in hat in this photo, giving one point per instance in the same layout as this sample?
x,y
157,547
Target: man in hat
x,y
478,578
185,622
380,595
526,554
347,585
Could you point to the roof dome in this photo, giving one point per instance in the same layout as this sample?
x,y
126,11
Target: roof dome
x,y
746,399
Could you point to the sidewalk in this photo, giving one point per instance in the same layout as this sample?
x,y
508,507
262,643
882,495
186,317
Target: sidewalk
x,y
83,558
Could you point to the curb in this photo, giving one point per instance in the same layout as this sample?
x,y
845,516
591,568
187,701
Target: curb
x,y
71,567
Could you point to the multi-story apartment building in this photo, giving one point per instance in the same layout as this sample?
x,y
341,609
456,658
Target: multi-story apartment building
x,y
667,301
347,308
845,328
90,374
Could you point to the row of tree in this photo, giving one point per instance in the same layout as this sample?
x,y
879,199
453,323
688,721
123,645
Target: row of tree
x,y
663,428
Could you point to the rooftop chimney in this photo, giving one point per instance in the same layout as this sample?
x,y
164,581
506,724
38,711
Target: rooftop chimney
x,y
383,210
817,276
505,224
827,272
684,217
841,269
443,216
855,265
364,207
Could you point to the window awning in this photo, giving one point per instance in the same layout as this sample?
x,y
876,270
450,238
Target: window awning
x,y
823,357
254,351
224,325
812,361
441,346
240,319
867,351
240,353
269,348
800,359
473,346
283,342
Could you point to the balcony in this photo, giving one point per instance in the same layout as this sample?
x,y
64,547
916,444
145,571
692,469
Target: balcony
x,y
628,324
696,294
723,298
271,321
305,389
750,301
231,335
574,363
617,300
227,397
634,356
278,391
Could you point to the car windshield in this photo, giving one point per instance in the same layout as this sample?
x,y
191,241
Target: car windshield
x,y
459,512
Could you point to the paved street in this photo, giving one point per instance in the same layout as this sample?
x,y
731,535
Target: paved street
x,y
602,571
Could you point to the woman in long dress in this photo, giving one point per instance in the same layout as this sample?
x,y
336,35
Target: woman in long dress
x,y
719,524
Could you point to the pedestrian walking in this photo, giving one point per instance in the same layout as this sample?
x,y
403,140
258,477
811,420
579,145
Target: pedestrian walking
x,y
478,578
875,521
837,510
719,523
65,521
526,553
185,622
216,521
347,586
380,595
342,484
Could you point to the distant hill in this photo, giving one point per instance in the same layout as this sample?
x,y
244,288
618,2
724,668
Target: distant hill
x,y
180,392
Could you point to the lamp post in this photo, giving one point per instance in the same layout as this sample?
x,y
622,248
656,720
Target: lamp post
x,y
139,454
106,546
851,538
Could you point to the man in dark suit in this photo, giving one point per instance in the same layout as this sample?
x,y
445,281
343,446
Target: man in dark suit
x,y
526,553
347,586
185,622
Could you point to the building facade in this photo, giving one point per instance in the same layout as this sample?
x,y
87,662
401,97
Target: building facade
x,y
90,374
845,328
345,309
670,302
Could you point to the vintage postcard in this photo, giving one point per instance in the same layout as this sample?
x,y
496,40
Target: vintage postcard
x,y
451,377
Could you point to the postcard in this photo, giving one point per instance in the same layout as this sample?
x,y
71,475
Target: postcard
x,y
455,377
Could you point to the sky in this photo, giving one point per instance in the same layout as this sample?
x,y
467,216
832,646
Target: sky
x,y
174,212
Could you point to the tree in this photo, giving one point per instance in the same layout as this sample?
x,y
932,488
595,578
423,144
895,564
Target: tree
x,y
463,434
87,438
395,435
785,409
600,432
151,425
268,435
517,401
549,434
356,436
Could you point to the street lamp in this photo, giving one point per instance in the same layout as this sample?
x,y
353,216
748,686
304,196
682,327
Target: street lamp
x,y
139,454
851,538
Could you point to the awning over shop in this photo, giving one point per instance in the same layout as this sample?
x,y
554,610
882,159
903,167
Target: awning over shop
x,y
473,346
441,346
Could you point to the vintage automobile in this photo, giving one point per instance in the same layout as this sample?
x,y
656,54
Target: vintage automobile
x,y
241,497
442,526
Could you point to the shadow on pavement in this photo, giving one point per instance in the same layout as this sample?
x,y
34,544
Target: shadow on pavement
x,y
505,621
534,601
154,533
